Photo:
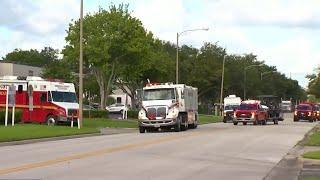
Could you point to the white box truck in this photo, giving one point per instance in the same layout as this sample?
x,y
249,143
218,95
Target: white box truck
x,y
167,105
230,104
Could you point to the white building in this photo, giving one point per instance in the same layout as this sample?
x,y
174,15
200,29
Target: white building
x,y
11,69
121,97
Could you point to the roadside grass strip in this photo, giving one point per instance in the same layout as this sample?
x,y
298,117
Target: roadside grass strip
x,y
314,138
36,131
206,119
111,123
312,155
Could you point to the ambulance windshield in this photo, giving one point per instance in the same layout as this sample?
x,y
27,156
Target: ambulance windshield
x,y
58,96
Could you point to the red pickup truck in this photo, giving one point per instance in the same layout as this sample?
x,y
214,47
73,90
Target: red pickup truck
x,y
250,111
306,111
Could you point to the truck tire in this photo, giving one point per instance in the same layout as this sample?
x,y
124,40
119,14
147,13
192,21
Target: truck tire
x,y
195,123
51,120
177,126
263,122
244,123
235,123
184,126
142,129
275,121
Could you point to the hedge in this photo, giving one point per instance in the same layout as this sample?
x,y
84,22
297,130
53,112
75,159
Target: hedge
x,y
17,116
133,114
95,113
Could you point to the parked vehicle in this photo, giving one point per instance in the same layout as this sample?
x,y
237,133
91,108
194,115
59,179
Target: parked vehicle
x,y
88,107
42,101
250,111
286,106
274,111
168,106
116,108
306,111
230,104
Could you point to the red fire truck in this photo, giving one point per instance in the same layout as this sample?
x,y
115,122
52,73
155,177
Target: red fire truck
x,y
306,111
40,100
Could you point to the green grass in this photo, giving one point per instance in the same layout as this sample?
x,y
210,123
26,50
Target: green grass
x,y
310,178
313,137
35,131
205,119
312,155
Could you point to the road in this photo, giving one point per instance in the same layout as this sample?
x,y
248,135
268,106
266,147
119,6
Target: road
x,y
213,151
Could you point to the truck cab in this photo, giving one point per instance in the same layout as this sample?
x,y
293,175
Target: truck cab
x,y
230,104
305,111
250,111
168,106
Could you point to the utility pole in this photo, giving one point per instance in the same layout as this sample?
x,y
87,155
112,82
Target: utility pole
x,y
81,69
177,60
222,82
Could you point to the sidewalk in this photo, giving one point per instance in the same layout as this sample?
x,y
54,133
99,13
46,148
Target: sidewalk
x,y
294,167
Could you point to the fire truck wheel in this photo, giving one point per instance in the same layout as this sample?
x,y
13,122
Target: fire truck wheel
x,y
51,120
275,121
263,122
244,123
255,123
177,126
235,123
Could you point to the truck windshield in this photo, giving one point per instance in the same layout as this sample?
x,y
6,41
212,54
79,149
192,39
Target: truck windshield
x,y
158,94
304,107
231,107
58,96
248,107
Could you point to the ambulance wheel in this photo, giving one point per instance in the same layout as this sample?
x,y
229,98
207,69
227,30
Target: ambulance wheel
x,y
51,120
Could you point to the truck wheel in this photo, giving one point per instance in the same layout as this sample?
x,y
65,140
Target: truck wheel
x,y
185,123
195,123
311,120
142,129
263,122
177,126
235,123
275,121
244,123
51,120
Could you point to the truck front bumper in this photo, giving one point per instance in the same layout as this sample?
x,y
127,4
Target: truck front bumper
x,y
244,120
157,123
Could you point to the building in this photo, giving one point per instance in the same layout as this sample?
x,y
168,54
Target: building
x,y
121,97
11,69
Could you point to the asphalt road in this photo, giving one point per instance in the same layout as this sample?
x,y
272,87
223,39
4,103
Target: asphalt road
x,y
214,151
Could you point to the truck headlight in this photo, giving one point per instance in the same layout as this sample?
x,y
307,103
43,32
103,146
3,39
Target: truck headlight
x,y
173,113
142,114
309,113
252,115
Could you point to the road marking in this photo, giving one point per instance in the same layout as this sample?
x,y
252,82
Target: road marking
x,y
95,153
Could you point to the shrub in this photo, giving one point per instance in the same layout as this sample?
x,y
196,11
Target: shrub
x,y
17,116
133,114
95,113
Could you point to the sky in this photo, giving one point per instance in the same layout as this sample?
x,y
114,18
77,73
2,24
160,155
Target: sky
x,y
283,33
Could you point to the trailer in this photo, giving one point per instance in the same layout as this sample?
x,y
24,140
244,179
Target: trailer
x,y
273,106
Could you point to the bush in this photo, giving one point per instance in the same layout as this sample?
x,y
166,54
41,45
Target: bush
x,y
95,113
133,114
17,116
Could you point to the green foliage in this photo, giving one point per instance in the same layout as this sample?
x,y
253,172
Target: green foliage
x,y
95,113
314,83
32,57
17,116
133,114
111,123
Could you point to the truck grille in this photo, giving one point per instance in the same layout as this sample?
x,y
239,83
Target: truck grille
x,y
153,113
73,112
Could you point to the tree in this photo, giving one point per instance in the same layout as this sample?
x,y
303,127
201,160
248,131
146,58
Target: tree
x,y
112,38
32,57
314,83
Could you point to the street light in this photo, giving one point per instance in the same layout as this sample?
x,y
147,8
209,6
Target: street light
x,y
266,73
245,78
222,82
177,58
